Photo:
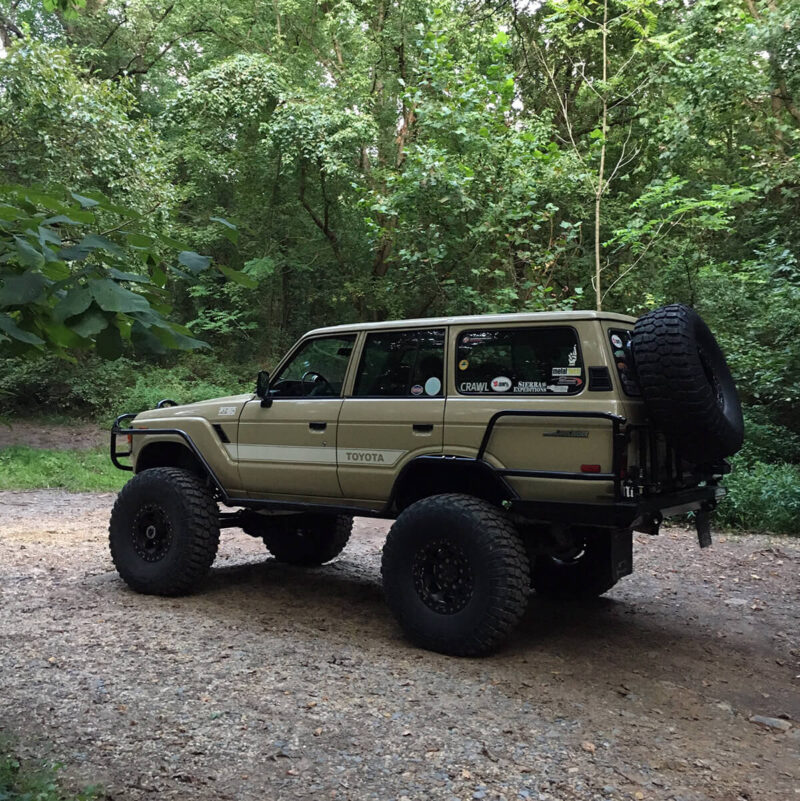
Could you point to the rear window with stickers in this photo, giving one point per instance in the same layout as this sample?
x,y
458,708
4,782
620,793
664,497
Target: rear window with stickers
x,y
519,361
620,341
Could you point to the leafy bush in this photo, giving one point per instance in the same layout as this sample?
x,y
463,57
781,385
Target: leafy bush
x,y
23,468
98,389
762,497
25,782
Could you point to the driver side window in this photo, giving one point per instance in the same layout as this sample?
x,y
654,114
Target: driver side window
x,y
317,370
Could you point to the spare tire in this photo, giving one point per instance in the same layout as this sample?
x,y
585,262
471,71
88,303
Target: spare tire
x,y
687,385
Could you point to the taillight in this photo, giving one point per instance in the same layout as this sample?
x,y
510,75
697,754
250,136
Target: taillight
x,y
590,468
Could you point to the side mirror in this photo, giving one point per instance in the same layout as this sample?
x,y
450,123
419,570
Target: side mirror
x,y
262,388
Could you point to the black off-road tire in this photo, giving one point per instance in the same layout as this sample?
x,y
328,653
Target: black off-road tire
x,y
455,574
687,385
314,541
164,531
586,576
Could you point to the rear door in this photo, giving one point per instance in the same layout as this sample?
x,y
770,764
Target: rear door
x,y
396,410
536,368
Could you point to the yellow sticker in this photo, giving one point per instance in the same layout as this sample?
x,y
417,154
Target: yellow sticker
x,y
573,370
463,364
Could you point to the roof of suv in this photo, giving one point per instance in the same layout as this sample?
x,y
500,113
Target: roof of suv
x,y
480,319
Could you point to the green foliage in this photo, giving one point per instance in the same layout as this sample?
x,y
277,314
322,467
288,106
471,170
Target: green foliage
x,y
101,390
22,467
65,288
762,497
29,782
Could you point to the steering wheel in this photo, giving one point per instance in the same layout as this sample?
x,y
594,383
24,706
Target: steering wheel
x,y
319,379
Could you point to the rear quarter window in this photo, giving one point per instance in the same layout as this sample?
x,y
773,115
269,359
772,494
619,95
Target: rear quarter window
x,y
519,361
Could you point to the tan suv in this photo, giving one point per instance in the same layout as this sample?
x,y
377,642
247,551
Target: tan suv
x,y
513,451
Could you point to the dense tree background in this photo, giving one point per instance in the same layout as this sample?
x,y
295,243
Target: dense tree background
x,y
348,160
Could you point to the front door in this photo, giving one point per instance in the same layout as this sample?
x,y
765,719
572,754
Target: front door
x,y
396,411
289,448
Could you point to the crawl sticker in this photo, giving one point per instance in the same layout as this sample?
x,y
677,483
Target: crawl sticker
x,y
432,386
559,371
463,364
417,389
616,340
501,384
226,411
473,386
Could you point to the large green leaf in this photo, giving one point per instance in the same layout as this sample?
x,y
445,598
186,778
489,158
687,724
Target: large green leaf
x,y
91,322
194,261
8,326
17,290
110,296
76,301
27,254
135,278
238,277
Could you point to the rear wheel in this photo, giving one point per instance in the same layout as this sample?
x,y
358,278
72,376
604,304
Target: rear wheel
x,y
164,531
303,539
455,574
592,567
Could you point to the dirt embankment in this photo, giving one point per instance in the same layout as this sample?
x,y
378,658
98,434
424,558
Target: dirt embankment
x,y
278,683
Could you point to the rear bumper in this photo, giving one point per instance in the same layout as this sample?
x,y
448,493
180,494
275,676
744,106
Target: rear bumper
x,y
621,514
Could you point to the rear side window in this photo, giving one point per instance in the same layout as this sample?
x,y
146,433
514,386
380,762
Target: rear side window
x,y
620,341
519,361
399,364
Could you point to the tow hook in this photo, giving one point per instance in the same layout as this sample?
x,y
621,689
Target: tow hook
x,y
702,519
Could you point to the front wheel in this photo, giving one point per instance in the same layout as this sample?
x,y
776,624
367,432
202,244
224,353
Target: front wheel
x,y
164,531
455,574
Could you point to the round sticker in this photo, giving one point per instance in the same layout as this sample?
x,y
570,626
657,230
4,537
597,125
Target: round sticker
x,y
432,386
463,364
417,389
500,384
616,341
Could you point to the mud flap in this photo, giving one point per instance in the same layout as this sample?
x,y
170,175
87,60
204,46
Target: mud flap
x,y
702,519
621,562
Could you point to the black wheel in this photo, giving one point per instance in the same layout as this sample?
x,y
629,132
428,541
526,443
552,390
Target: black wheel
x,y
164,531
686,384
455,574
303,539
589,569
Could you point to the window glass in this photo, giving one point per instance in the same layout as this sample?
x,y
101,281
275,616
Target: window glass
x,y
402,364
316,370
519,361
620,340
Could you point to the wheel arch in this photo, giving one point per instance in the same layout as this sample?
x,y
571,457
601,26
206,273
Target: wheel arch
x,y
163,453
436,475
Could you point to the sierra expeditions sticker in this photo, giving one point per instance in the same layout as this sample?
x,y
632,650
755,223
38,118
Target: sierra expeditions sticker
x,y
432,386
417,389
531,387
501,384
463,364
616,340
559,371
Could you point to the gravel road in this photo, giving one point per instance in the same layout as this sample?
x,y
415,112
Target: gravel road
x,y
281,683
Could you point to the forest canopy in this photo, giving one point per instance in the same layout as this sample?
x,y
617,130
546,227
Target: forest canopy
x,y
341,160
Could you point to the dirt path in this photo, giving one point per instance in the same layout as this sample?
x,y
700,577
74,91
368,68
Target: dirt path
x,y
77,437
278,683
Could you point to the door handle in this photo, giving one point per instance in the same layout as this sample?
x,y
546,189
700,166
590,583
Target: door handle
x,y
422,428
317,426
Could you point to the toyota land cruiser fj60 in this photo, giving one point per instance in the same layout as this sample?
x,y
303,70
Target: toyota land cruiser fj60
x,y
512,451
